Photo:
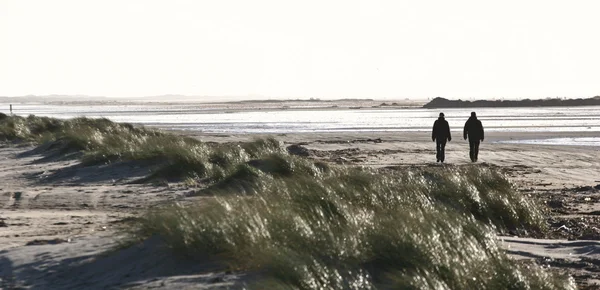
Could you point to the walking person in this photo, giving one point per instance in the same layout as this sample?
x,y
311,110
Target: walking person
x,y
441,134
474,131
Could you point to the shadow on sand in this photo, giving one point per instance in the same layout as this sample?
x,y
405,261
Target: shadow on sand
x,y
79,173
88,264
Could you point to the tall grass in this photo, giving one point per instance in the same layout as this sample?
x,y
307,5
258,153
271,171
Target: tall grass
x,y
301,225
102,141
305,225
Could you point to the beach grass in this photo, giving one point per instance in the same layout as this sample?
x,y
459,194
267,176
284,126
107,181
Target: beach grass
x,y
297,223
101,141
303,225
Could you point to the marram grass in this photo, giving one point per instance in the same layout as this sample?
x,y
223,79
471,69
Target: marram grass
x,y
101,141
298,224
304,226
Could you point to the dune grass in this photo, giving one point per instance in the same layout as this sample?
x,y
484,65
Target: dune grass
x,y
302,225
101,141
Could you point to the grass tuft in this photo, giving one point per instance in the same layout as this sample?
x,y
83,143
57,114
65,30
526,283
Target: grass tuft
x,y
101,141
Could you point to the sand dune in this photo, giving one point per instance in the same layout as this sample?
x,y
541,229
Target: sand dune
x,y
57,219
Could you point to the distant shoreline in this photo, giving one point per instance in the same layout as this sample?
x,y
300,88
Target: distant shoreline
x,y
445,103
233,106
180,99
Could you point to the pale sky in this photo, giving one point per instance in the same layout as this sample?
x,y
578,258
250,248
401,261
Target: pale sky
x,y
287,49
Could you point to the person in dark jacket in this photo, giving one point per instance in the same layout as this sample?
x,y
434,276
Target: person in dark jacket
x,y
473,130
441,134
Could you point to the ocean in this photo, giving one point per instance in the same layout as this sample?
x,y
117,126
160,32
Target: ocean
x,y
204,119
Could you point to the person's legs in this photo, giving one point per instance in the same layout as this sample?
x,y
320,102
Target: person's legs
x,y
476,149
442,151
472,150
437,150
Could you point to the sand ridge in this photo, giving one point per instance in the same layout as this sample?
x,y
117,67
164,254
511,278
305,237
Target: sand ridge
x,y
59,217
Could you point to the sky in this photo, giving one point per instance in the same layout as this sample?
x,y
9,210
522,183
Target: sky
x,y
300,49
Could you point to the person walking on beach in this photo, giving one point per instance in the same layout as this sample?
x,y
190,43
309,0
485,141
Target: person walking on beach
x,y
474,131
441,134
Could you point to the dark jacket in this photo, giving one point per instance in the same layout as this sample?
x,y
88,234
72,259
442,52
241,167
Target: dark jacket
x,y
473,129
441,130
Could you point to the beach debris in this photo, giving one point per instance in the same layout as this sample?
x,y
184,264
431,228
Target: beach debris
x,y
37,242
583,188
555,203
17,195
590,233
378,140
298,150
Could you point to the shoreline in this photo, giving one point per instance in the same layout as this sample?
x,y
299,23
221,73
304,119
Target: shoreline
x,y
384,121
396,136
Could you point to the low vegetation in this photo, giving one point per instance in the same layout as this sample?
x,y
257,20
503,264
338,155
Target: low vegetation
x,y
300,224
101,141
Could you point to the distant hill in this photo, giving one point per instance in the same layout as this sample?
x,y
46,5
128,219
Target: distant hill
x,y
445,103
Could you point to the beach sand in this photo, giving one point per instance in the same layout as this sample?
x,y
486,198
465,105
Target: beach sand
x,y
59,222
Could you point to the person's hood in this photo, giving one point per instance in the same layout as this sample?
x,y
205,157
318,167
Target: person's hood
x,y
441,118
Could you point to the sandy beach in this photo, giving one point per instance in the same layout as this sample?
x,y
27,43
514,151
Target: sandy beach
x,y
60,222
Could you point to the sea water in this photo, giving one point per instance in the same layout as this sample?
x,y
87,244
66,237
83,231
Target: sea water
x,y
204,119
575,141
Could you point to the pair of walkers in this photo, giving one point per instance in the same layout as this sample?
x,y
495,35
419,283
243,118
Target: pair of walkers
x,y
441,134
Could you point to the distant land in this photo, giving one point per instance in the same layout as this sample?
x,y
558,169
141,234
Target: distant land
x,y
301,100
50,98
554,102
79,99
